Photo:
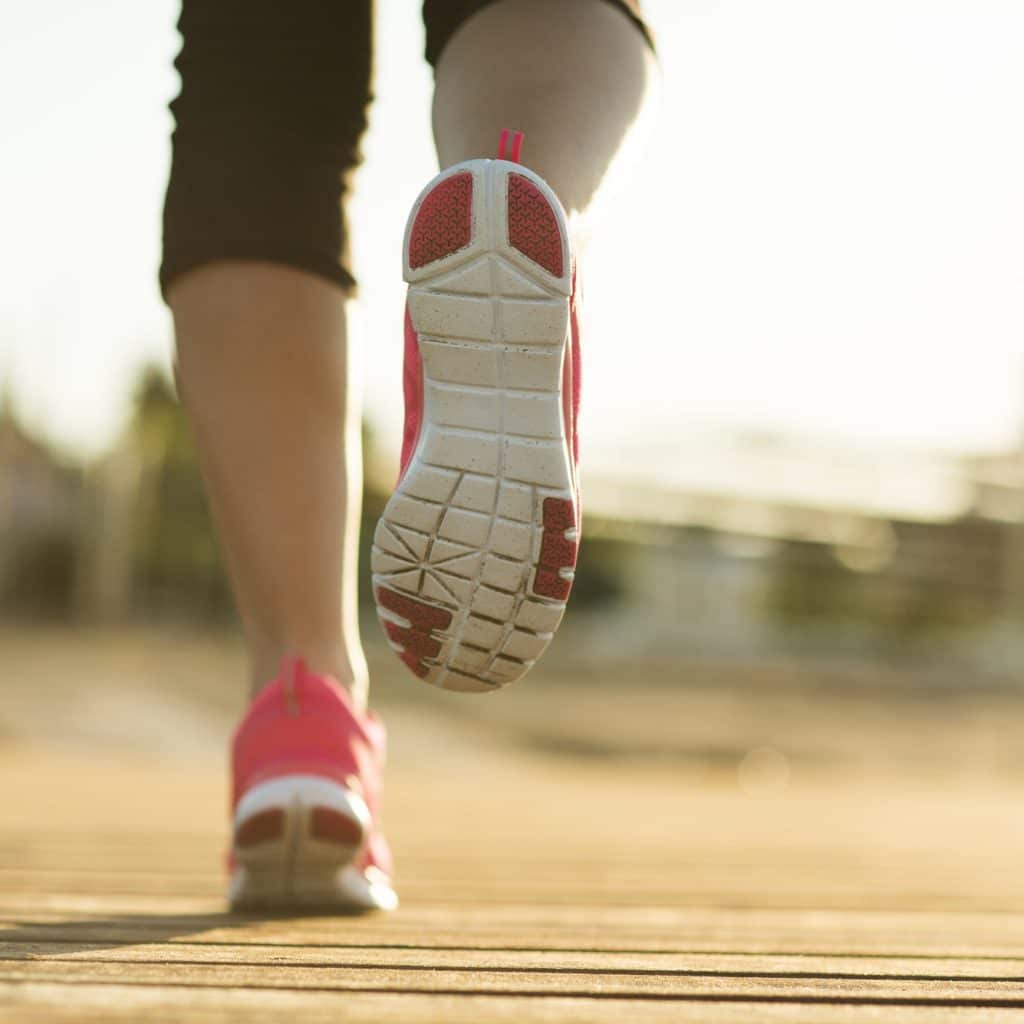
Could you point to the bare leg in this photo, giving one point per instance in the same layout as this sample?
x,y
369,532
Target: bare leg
x,y
263,370
573,76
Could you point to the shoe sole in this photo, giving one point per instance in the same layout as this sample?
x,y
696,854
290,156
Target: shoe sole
x,y
294,842
473,557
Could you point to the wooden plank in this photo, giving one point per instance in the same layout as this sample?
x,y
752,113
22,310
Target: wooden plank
x,y
49,1003
736,965
429,980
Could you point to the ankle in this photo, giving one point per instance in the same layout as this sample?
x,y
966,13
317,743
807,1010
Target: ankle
x,y
346,664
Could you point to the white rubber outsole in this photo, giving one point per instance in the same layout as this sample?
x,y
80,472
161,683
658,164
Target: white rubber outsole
x,y
465,583
295,840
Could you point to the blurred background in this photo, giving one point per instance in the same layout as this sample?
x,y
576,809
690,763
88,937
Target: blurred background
x,y
803,460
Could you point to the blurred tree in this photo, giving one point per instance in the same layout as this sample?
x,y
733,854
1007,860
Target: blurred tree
x,y
601,571
808,585
901,608
177,564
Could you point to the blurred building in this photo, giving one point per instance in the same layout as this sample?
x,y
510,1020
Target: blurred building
x,y
127,536
39,509
767,546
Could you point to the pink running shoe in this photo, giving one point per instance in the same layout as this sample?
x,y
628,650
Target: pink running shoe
x,y
307,775
474,555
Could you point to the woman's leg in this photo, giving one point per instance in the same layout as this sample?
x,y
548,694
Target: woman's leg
x,y
573,76
263,371
268,122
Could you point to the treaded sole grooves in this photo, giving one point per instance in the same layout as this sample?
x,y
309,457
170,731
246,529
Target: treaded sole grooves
x,y
473,557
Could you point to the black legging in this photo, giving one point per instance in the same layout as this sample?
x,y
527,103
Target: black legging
x,y
273,102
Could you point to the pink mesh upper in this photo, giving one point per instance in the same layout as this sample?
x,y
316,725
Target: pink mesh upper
x,y
412,386
304,724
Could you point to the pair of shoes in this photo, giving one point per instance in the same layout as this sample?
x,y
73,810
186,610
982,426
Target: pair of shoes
x,y
473,557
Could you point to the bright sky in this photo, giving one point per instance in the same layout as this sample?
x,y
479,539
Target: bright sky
x,y
826,234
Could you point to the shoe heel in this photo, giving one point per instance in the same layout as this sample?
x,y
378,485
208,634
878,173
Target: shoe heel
x,y
291,837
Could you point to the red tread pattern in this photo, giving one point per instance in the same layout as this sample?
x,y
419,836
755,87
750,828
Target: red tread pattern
x,y
444,221
331,826
419,643
556,550
261,828
533,226
416,638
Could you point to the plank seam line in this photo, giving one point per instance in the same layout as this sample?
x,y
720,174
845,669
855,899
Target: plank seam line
x,y
620,997
642,972
630,951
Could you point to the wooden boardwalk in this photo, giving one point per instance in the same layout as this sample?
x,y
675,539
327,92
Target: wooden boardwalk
x,y
535,888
